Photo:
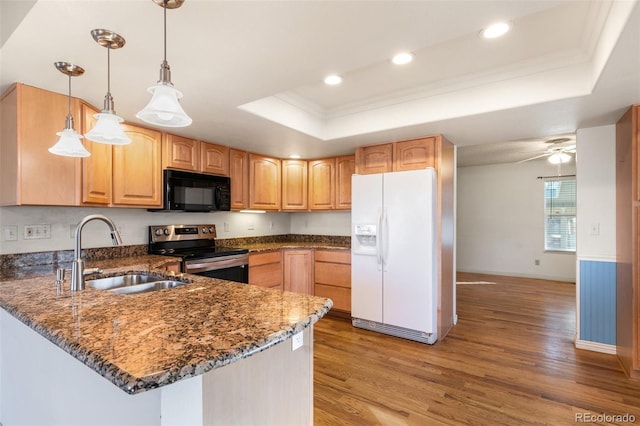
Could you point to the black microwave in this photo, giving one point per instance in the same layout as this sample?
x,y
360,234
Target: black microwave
x,y
195,192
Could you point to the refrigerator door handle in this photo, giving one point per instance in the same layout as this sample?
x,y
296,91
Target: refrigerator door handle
x,y
385,240
379,242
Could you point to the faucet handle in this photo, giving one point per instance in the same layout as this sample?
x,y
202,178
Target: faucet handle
x,y
60,275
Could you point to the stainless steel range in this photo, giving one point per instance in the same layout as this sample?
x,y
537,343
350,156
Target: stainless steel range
x,y
196,245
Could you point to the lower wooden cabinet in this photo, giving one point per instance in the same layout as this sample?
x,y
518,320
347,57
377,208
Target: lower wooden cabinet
x,y
332,277
265,269
298,271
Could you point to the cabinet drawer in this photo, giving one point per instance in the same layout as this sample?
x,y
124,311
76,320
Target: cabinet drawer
x,y
269,275
335,274
333,256
341,296
264,258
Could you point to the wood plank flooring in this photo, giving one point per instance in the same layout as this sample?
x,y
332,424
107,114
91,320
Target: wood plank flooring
x,y
510,360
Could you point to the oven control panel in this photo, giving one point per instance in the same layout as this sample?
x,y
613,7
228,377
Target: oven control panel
x,y
163,233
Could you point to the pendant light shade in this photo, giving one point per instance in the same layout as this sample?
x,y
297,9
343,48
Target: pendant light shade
x,y
107,129
69,144
164,109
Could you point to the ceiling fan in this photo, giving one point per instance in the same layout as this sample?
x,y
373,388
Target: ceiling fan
x,y
557,153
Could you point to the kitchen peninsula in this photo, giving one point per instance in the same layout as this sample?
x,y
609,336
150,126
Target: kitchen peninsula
x,y
209,352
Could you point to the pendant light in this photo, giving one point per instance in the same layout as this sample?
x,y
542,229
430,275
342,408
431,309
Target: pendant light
x,y
108,129
164,109
69,144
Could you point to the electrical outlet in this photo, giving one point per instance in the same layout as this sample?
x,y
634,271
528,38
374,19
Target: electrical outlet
x,y
10,233
297,341
594,229
35,232
250,228
270,225
537,262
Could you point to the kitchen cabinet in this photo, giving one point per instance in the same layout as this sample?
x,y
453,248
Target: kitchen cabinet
x,y
294,185
98,168
137,170
414,154
298,271
265,269
239,174
400,156
122,175
322,184
214,159
264,182
345,168
628,241
30,174
332,277
374,159
183,153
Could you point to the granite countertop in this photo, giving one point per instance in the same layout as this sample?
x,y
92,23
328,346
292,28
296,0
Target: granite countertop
x,y
147,340
264,247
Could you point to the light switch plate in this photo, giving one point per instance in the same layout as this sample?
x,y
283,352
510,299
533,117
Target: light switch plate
x,y
10,233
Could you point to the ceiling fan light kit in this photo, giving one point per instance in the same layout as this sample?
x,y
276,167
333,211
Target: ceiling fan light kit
x,y
559,157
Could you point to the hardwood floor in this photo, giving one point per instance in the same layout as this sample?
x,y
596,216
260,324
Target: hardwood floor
x,y
510,360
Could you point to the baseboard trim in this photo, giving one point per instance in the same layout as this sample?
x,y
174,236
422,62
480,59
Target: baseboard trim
x,y
596,347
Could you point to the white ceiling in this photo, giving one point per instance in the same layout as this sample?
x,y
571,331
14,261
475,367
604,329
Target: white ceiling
x,y
251,71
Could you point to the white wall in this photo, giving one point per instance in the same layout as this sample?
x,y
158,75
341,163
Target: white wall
x,y
133,224
596,170
322,223
501,221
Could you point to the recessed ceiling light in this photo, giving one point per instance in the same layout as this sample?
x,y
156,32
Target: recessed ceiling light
x,y
402,58
294,156
332,79
496,30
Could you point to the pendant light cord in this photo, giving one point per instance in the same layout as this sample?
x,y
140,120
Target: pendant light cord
x,y
108,70
165,29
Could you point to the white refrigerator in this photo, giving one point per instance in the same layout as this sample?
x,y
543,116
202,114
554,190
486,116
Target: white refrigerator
x,y
394,270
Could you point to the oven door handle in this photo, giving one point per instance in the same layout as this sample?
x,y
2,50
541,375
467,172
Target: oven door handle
x,y
195,266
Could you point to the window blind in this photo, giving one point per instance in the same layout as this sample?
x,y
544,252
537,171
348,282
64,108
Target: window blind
x,y
560,215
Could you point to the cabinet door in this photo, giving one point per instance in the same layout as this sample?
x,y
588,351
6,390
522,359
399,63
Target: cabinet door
x,y
264,182
374,159
214,159
137,173
96,169
298,271
181,153
239,174
265,269
322,186
414,154
294,185
31,117
345,168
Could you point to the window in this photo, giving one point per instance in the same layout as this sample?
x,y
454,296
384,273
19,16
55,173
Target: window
x,y
560,215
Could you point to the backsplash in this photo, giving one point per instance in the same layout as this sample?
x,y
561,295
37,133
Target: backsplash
x,y
295,238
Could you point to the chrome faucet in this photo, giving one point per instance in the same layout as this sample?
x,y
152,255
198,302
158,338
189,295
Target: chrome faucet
x,y
77,267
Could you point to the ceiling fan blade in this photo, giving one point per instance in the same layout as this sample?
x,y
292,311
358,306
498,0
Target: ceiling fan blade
x,y
533,158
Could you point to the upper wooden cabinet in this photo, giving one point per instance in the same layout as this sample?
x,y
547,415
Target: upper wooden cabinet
x,y
264,183
322,184
374,159
180,153
239,174
345,168
398,156
122,175
414,154
294,185
137,170
97,169
214,159
29,173
183,153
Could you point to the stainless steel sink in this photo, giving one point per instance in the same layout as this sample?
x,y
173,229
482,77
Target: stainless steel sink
x,y
133,283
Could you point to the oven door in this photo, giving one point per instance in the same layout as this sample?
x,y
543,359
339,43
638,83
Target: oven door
x,y
232,267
